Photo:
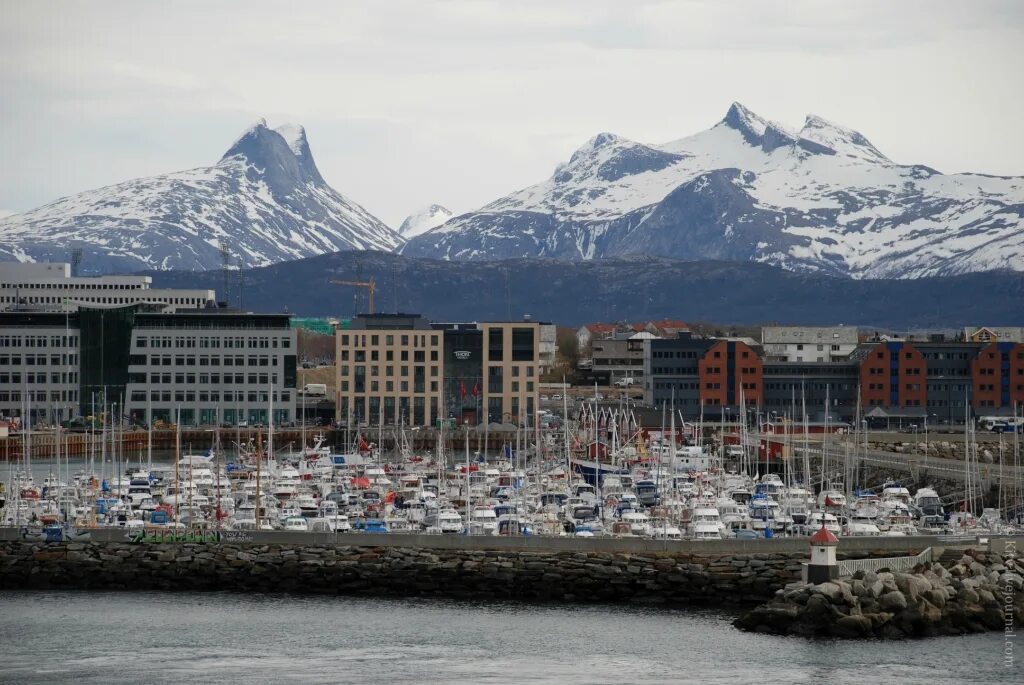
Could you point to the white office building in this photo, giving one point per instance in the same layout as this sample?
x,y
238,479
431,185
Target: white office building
x,y
808,343
39,366
50,286
211,367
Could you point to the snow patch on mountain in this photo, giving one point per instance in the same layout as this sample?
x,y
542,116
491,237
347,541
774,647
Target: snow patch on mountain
x,y
424,220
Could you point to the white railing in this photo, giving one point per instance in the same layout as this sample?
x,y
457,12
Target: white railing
x,y
849,567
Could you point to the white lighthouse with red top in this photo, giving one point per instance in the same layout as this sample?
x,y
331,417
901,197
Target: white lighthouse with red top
x,y
823,566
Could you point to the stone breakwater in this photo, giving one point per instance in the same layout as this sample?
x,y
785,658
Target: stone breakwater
x,y
988,449
981,592
654,577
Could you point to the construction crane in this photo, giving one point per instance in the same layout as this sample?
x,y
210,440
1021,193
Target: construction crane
x,y
370,285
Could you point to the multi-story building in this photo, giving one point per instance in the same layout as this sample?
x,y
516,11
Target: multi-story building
x,y
808,343
620,356
908,379
893,374
671,372
211,367
949,379
401,368
511,354
731,374
933,380
389,370
823,389
998,378
548,346
39,366
50,286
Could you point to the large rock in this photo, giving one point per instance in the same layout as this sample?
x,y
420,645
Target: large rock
x,y
893,601
853,626
916,586
1014,580
831,590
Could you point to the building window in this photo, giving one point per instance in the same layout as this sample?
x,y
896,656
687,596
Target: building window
x,y
495,344
522,344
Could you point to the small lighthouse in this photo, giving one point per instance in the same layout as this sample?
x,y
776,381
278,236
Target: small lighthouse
x,y
823,567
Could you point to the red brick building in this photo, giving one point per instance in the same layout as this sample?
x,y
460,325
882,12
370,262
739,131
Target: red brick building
x,y
997,376
729,369
894,374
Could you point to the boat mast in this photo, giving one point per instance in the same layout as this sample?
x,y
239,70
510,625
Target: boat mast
x,y
967,459
270,424
177,464
259,473
469,529
149,435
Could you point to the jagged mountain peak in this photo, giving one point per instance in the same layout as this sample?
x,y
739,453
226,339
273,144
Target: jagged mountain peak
x,y
821,199
602,139
295,136
742,119
601,142
265,199
255,132
839,139
282,154
775,136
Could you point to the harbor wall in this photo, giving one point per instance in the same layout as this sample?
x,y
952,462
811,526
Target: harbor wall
x,y
461,567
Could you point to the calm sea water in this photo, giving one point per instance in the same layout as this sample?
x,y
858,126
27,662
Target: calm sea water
x,y
147,637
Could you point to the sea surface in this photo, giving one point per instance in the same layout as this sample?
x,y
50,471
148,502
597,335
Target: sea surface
x,y
152,637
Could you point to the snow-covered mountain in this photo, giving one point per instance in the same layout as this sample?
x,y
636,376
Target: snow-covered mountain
x,y
422,221
265,200
822,199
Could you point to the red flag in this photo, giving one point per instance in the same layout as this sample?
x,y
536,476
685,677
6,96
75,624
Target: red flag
x,y
462,390
363,446
476,388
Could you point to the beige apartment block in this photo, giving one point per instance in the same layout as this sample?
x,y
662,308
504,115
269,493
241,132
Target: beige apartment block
x,y
390,370
511,361
400,368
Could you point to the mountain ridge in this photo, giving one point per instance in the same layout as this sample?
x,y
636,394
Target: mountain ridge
x,y
630,287
821,199
264,201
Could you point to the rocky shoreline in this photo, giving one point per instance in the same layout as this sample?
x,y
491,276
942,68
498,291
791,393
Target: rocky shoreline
x,y
988,449
981,592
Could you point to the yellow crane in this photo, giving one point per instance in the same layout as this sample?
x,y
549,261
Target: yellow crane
x,y
370,285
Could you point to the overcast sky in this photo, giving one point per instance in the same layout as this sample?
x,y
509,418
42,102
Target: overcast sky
x,y
459,103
